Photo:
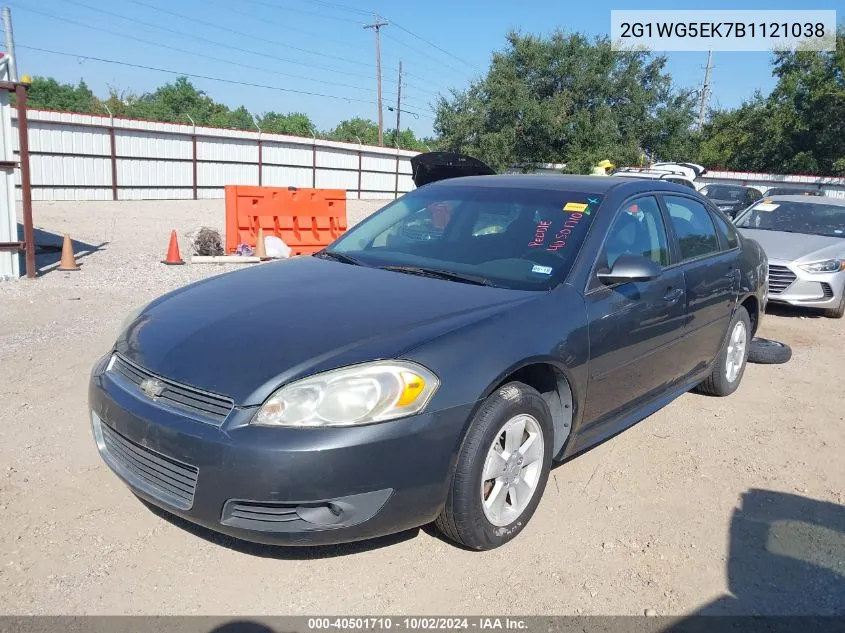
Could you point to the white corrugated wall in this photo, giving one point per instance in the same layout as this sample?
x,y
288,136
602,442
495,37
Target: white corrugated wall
x,y
71,159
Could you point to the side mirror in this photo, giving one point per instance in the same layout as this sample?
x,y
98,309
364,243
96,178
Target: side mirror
x,y
630,268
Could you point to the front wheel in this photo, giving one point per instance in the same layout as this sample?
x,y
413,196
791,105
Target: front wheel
x,y
502,469
730,364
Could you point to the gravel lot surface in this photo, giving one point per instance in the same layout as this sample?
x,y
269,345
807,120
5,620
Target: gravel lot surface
x,y
730,505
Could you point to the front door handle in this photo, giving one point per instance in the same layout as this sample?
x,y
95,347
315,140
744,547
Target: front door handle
x,y
673,295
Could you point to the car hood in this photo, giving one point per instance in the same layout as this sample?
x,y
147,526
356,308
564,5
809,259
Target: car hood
x,y
433,166
797,247
244,333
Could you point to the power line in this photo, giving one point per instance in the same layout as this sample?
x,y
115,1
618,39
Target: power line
x,y
419,52
432,44
319,15
187,52
343,7
199,76
230,30
235,31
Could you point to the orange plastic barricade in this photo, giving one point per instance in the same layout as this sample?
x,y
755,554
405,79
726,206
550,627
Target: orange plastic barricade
x,y
305,219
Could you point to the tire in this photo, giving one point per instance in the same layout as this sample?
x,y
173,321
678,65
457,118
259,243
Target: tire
x,y
717,383
838,311
463,518
763,351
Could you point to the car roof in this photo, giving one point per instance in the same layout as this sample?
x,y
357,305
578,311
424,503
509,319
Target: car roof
x,y
728,184
839,202
560,182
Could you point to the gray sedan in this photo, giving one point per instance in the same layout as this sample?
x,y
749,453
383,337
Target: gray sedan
x,y
804,239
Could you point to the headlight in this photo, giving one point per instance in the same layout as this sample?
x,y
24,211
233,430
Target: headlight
x,y
827,266
360,394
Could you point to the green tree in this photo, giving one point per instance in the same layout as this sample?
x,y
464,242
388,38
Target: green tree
x,y
798,128
293,124
567,99
351,130
49,94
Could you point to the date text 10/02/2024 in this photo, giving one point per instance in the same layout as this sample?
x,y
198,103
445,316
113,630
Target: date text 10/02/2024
x,y
417,623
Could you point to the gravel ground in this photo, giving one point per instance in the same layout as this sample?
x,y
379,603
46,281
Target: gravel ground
x,y
730,505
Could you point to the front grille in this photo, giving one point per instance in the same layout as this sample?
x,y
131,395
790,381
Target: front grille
x,y
162,477
780,278
827,290
209,407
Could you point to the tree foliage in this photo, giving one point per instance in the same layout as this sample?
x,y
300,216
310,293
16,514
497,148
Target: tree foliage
x,y
798,128
181,102
568,99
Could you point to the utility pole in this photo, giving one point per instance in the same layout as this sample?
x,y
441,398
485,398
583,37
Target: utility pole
x,y
10,44
398,103
705,91
376,26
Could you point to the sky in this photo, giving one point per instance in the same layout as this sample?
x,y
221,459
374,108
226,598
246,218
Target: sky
x,y
290,48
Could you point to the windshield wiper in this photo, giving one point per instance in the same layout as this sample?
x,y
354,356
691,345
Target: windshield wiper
x,y
339,257
440,274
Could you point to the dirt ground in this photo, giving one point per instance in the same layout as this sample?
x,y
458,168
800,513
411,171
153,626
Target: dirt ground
x,y
730,505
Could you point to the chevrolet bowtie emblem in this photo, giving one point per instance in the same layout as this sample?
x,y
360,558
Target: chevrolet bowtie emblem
x,y
152,387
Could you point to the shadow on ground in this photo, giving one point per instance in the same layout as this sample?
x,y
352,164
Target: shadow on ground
x,y
786,558
48,250
276,551
785,310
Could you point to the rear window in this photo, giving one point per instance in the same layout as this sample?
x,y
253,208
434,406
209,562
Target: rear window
x,y
514,238
724,192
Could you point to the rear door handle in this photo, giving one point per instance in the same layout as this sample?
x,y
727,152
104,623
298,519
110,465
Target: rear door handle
x,y
673,295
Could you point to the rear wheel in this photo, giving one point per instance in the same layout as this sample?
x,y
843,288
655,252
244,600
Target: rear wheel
x,y
730,364
502,469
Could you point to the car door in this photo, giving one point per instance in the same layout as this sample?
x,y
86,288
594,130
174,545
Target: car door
x,y
634,326
711,269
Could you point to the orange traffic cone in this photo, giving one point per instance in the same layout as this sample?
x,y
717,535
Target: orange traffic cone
x,y
68,261
173,256
260,248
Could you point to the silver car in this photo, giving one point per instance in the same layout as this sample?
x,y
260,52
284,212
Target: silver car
x,y
804,239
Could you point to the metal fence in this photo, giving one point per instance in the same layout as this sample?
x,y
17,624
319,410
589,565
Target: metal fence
x,y
85,157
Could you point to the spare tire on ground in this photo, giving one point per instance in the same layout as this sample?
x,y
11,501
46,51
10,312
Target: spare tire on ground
x,y
763,351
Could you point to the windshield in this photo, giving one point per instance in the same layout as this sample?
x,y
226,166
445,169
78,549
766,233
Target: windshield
x,y
724,192
524,239
785,191
796,217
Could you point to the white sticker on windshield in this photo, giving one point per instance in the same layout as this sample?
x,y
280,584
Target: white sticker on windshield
x,y
545,270
766,206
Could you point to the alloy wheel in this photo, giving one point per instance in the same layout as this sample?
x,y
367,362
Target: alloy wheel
x,y
512,470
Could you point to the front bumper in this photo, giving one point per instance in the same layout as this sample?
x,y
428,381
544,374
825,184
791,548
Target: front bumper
x,y
276,485
789,284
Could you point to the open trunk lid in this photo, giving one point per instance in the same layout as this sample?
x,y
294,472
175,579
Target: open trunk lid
x,y
434,166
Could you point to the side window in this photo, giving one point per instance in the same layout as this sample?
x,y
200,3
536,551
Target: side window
x,y
637,230
727,231
694,227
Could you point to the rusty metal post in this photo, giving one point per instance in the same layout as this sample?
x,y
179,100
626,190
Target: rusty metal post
x,y
314,164
260,161
194,162
113,163
359,174
26,183
396,190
